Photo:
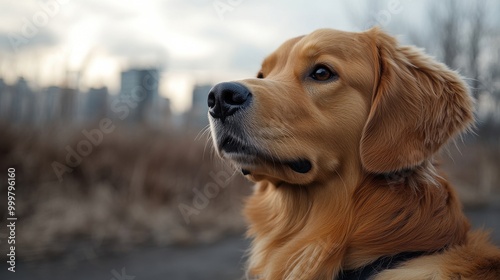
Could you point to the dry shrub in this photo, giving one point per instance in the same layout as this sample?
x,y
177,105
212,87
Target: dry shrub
x,y
473,165
127,191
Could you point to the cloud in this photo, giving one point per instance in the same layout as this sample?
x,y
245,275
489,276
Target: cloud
x,y
247,58
133,48
16,42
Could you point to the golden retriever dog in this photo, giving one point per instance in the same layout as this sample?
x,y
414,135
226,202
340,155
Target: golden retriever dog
x,y
340,131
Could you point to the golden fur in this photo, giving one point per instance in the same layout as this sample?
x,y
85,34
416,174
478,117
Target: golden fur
x,y
374,189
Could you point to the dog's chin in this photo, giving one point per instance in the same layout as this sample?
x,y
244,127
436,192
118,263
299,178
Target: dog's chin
x,y
258,165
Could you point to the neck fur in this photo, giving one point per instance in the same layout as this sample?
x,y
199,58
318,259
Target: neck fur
x,y
348,224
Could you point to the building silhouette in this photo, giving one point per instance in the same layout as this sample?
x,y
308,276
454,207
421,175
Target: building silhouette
x,y
68,104
50,104
96,103
197,115
159,113
22,102
140,88
4,99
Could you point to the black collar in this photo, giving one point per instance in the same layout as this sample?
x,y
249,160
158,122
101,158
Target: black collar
x,y
382,263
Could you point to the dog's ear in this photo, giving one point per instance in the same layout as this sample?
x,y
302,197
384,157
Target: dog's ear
x,y
417,105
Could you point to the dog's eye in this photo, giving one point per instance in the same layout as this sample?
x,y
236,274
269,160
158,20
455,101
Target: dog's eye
x,y
322,73
260,75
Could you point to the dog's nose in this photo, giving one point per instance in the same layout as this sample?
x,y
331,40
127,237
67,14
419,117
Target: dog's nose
x,y
227,98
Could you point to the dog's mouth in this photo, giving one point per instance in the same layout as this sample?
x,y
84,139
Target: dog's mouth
x,y
248,156
300,166
232,145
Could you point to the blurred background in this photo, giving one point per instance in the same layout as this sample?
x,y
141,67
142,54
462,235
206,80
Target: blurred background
x,y
103,117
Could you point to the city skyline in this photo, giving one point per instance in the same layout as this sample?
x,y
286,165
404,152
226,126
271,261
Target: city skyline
x,y
196,42
22,104
137,101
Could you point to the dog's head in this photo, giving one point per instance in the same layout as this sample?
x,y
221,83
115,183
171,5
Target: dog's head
x,y
333,100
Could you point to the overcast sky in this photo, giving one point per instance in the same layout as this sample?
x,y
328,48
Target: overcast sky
x,y
193,41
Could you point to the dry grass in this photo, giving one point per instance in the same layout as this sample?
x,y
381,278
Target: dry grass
x,y
474,168
125,192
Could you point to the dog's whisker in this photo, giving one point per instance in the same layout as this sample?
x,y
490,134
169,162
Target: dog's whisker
x,y
202,132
